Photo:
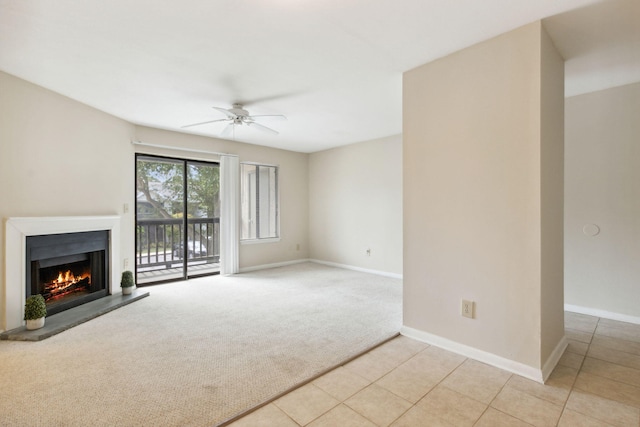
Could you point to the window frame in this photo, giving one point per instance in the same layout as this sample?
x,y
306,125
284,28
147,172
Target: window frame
x,y
258,239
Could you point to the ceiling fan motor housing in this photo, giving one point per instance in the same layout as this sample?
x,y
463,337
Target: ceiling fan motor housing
x,y
239,111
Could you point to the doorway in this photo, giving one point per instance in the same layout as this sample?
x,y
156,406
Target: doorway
x,y
177,219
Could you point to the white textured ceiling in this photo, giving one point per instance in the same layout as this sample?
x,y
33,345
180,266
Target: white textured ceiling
x,y
334,68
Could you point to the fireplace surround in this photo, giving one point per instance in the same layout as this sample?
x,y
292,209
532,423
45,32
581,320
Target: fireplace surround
x,y
16,232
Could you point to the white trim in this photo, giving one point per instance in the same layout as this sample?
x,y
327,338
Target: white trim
x,y
274,265
476,354
363,270
602,313
330,264
554,358
16,232
259,164
190,150
257,241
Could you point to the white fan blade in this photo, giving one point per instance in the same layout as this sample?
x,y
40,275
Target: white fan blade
x,y
262,127
227,130
225,112
203,123
273,116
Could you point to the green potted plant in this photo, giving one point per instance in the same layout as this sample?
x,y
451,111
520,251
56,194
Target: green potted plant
x,y
127,282
35,310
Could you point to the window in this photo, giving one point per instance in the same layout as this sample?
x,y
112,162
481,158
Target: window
x,y
259,202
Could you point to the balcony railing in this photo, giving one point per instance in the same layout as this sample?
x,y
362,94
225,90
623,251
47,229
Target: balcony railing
x,y
161,243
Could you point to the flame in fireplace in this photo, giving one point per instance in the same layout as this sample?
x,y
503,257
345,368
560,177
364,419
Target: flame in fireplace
x,y
65,284
68,277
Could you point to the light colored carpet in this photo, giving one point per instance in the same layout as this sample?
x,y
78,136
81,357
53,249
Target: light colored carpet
x,y
197,353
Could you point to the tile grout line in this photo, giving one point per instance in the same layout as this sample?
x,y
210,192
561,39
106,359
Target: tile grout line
x,y
412,404
496,409
343,402
606,361
564,406
423,396
443,380
436,385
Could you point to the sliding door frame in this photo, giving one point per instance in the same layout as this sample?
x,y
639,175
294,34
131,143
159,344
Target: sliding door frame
x,y
185,163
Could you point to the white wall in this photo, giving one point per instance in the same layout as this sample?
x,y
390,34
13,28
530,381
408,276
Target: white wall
x,y
355,204
477,218
602,272
59,157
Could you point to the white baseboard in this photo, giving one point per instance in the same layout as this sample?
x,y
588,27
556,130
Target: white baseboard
x,y
476,354
602,313
554,358
274,265
363,270
317,261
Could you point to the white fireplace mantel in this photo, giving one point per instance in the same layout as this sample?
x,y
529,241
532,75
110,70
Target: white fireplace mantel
x,y
16,232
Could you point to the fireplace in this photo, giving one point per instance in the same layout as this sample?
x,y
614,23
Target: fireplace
x,y
17,230
67,269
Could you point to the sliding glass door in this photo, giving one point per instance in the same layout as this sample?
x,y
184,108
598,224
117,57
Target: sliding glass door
x,y
202,249
177,219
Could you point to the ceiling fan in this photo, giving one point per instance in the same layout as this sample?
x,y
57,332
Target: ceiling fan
x,y
237,115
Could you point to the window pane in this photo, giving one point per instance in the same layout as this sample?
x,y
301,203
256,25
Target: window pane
x,y
159,188
203,211
259,201
248,201
159,223
267,202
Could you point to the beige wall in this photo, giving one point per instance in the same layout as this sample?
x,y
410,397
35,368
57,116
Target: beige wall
x,y
602,272
551,197
59,157
474,196
356,204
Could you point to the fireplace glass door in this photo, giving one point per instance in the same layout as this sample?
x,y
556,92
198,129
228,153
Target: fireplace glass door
x,y
177,219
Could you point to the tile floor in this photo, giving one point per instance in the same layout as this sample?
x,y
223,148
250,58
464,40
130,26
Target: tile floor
x,y
409,383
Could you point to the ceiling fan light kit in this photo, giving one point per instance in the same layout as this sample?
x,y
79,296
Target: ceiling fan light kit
x,y
237,115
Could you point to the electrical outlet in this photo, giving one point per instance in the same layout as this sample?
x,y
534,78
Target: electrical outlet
x,y
368,252
298,247
125,208
126,263
467,309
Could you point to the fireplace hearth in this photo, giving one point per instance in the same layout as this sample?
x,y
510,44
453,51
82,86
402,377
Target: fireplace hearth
x,y
67,269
